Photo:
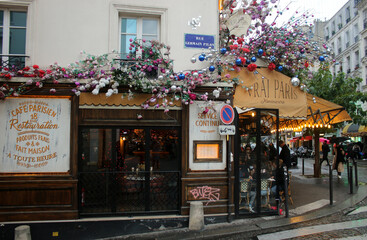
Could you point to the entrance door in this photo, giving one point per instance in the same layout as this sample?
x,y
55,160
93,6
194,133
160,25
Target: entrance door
x,y
256,163
129,170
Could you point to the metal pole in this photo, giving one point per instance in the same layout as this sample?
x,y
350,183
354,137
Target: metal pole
x,y
355,172
286,179
331,184
347,170
303,166
350,179
229,172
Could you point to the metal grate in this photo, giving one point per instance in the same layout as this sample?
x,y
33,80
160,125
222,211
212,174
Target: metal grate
x,y
128,192
12,63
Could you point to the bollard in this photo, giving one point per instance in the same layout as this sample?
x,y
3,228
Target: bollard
x,y
22,232
350,179
303,166
355,172
331,184
196,218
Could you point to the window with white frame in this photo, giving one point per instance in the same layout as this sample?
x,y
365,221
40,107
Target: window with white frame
x,y
137,28
13,28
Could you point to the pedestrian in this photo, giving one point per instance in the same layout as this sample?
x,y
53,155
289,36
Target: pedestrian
x,y
325,152
285,154
338,159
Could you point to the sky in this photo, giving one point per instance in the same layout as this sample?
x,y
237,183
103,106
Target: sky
x,y
321,9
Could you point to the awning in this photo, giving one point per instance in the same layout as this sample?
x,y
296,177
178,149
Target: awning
x,y
273,90
325,112
269,89
354,130
115,101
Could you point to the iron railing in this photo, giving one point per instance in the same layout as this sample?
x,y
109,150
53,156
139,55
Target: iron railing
x,y
12,63
115,192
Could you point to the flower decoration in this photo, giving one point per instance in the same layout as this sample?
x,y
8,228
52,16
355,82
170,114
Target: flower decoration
x,y
271,66
252,67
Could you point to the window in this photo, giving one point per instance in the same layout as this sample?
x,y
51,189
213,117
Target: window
x,y
347,39
139,28
13,27
356,57
347,14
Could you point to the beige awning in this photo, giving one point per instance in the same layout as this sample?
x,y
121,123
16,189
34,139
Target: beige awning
x,y
273,90
269,89
89,100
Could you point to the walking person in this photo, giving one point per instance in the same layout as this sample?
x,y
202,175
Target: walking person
x,y
325,152
285,154
338,159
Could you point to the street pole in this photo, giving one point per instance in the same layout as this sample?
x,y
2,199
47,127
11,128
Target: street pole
x,y
355,172
303,166
331,184
229,217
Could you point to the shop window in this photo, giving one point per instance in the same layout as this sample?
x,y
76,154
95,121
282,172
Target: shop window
x,y
208,151
13,27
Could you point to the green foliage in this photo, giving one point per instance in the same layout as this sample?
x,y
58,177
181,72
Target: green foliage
x,y
341,90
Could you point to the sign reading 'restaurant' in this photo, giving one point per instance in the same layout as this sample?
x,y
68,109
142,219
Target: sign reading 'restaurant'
x,y
35,135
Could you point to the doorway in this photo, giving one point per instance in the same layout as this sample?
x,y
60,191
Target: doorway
x,y
256,161
129,170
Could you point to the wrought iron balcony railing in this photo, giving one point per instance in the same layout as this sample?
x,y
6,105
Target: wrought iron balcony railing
x,y
12,63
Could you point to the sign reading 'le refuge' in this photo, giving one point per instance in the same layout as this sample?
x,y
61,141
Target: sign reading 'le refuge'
x,y
36,135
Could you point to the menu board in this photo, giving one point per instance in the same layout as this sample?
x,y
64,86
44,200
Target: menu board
x,y
35,135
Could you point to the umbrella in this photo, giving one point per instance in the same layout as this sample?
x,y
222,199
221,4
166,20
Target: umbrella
x,y
324,140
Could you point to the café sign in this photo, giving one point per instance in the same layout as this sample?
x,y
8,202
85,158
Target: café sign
x,y
36,135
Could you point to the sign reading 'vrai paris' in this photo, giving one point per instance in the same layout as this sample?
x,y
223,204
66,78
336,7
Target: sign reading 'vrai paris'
x,y
36,135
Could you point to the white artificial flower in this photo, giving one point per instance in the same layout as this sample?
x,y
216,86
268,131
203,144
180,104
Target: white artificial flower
x,y
95,91
216,93
77,93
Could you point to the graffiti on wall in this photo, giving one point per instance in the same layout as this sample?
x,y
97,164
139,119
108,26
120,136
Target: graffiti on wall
x,y
206,193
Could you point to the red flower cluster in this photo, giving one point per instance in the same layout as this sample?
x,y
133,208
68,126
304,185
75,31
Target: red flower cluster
x,y
252,67
271,66
192,96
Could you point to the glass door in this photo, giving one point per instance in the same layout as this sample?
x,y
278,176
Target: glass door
x,y
257,161
127,170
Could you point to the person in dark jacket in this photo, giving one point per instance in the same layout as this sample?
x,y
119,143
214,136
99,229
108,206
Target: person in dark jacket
x,y
339,158
285,154
325,152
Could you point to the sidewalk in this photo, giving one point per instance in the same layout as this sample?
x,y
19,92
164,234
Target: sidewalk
x,y
309,194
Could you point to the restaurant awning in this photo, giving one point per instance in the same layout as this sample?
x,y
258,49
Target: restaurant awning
x,y
273,90
354,130
269,89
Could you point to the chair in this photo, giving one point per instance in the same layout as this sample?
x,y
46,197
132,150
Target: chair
x,y
245,193
265,193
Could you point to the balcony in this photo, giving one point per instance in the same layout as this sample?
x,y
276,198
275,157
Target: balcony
x,y
340,26
333,33
347,45
348,20
12,63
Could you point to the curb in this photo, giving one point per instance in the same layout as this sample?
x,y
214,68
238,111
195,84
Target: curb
x,y
241,226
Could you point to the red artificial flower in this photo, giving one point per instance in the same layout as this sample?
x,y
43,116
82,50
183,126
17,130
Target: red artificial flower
x,y
42,72
271,66
192,96
26,68
306,64
243,60
252,67
246,50
8,76
240,41
48,71
36,66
